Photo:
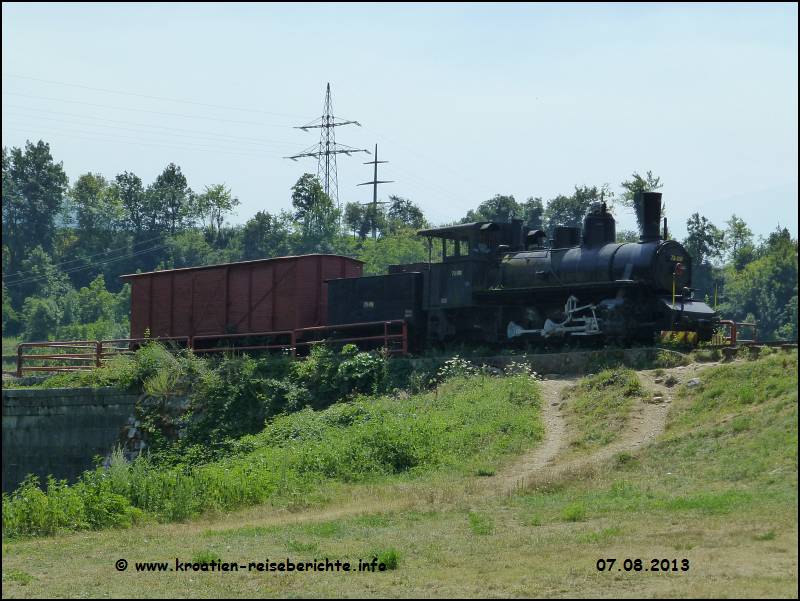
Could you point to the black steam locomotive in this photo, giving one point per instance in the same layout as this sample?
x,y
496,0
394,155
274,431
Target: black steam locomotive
x,y
503,283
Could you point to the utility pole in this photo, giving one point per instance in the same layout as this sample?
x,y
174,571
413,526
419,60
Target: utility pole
x,y
325,152
375,183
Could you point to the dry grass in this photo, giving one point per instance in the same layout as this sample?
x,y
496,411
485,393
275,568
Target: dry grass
x,y
699,493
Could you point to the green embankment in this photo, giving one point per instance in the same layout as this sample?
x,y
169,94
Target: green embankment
x,y
464,425
599,405
718,489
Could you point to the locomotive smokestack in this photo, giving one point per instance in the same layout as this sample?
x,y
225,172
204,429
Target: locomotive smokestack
x,y
648,214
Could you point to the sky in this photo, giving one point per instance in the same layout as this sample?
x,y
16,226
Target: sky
x,y
465,101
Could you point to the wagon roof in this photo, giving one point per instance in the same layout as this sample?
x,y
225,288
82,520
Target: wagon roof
x,y
290,257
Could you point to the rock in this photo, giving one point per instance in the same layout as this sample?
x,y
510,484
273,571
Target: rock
x,y
657,398
658,380
693,382
553,404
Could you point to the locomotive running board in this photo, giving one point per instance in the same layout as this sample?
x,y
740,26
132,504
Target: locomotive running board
x,y
505,295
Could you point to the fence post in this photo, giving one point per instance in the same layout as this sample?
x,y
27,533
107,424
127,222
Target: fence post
x,y
98,352
405,338
293,342
19,360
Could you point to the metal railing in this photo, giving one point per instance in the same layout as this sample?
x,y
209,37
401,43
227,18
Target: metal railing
x,y
91,354
730,333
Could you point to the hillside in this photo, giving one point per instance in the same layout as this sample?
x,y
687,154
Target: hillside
x,y
695,463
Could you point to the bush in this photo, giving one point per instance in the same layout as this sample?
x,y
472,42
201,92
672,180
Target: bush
x,y
465,423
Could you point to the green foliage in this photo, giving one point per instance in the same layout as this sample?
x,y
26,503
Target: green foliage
x,y
33,192
11,323
600,404
766,288
401,246
316,213
41,316
389,558
574,513
570,210
637,183
480,524
499,208
266,235
705,241
58,241
360,373
465,422
213,205
172,193
89,504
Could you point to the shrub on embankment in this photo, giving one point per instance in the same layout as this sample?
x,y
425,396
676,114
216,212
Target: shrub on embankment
x,y
467,420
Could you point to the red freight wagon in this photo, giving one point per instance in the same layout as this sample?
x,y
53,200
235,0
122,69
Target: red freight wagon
x,y
266,295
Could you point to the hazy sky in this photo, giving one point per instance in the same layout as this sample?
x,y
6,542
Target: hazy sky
x,y
465,101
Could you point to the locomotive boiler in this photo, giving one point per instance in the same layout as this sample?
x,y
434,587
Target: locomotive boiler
x,y
506,283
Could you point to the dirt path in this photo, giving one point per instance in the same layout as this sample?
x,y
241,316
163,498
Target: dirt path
x,y
545,463
514,477
542,465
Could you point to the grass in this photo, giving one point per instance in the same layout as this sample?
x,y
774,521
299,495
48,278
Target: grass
x,y
723,498
464,425
598,407
480,524
10,349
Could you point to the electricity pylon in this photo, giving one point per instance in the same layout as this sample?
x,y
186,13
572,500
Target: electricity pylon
x,y
325,152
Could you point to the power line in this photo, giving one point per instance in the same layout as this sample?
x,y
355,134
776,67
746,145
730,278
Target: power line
x,y
215,106
106,252
327,149
89,266
199,134
375,183
124,108
192,140
93,136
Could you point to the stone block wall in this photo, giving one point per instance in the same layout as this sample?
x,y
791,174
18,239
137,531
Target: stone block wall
x,y
58,431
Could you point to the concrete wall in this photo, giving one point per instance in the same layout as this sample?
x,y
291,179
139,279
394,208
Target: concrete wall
x,y
58,431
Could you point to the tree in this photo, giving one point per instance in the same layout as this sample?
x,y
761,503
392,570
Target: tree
x,y
99,215
402,213
570,210
766,288
213,205
355,219
739,242
127,189
316,213
649,183
637,183
41,317
10,318
171,199
37,277
266,235
533,212
705,241
627,236
499,208
189,249
33,192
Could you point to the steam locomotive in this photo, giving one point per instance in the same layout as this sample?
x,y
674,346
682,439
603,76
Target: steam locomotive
x,y
506,283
